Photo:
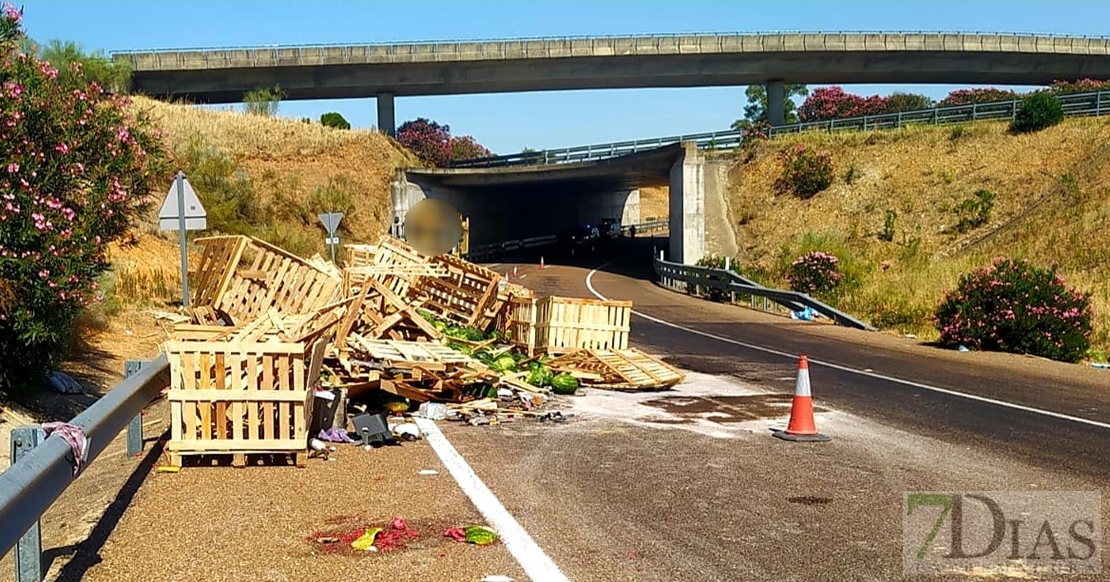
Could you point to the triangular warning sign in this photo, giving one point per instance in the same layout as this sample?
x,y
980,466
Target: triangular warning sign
x,y
195,215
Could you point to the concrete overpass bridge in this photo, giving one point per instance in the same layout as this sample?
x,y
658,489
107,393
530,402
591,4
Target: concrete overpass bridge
x,y
385,71
509,203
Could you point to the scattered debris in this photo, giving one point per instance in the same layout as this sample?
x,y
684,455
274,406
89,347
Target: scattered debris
x,y
472,534
64,383
277,348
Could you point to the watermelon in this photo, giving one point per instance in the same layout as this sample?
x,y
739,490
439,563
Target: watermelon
x,y
564,384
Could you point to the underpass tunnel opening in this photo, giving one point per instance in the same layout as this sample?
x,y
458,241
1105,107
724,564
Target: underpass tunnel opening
x,y
517,212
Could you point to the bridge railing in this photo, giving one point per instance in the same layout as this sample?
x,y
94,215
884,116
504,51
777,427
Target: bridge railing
x,y
44,466
692,279
493,250
1074,105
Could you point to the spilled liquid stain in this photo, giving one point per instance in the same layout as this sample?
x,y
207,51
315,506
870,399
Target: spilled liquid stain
x,y
726,409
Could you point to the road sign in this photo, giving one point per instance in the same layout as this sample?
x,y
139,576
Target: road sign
x,y
169,217
331,221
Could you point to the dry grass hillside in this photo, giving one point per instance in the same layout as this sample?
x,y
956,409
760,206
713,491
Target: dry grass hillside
x,y
1051,206
290,166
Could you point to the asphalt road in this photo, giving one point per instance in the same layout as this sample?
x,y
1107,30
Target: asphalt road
x,y
635,489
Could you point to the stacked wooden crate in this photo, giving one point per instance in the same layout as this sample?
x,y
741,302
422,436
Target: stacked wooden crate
x,y
557,325
243,372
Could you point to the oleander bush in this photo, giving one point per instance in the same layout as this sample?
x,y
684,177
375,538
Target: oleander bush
x,y
75,169
815,273
1014,306
805,171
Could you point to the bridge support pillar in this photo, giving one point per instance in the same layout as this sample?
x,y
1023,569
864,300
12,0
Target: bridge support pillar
x,y
687,206
387,121
776,103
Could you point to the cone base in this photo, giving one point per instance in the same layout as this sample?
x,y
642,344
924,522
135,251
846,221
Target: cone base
x,y
801,438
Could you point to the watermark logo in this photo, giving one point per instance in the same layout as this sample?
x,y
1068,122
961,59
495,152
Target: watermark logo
x,y
1002,532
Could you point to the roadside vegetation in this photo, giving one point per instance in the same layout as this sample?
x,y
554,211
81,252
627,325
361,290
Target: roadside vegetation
x,y
910,213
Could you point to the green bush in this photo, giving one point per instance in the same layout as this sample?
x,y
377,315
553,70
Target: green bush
x,y
814,273
717,262
333,119
225,190
975,211
77,170
264,102
804,172
1038,111
1013,306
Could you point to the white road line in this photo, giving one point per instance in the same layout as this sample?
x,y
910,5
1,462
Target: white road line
x,y
528,554
1086,421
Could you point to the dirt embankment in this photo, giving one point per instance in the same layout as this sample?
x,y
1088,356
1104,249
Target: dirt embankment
x,y
1051,205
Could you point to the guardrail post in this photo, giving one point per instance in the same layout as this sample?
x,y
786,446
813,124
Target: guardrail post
x,y
135,427
28,550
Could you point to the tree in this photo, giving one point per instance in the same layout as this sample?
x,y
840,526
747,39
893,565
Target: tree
x,y
75,169
113,76
263,102
756,108
434,144
333,119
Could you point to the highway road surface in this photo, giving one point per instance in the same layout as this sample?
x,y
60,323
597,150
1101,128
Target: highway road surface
x,y
692,486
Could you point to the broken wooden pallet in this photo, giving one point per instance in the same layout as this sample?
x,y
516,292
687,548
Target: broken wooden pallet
x,y
628,369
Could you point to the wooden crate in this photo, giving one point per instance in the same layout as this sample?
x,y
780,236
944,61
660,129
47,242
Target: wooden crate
x,y
241,398
276,279
561,324
467,295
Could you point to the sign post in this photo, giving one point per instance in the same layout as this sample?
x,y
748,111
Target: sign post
x,y
331,223
182,211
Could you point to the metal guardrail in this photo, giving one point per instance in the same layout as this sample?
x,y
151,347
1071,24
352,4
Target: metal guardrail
x,y
673,274
609,37
44,466
1074,105
489,251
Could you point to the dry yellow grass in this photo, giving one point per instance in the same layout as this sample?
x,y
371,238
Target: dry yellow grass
x,y
654,203
292,158
1051,206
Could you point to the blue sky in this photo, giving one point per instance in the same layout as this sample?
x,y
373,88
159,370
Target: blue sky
x,y
509,122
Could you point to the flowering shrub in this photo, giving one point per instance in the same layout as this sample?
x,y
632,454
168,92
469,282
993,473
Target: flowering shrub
x,y
814,273
804,171
835,103
973,96
434,144
1038,111
1079,86
74,170
1012,306
753,132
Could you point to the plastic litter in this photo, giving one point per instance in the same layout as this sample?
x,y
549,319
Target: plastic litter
x,y
807,314
334,435
1102,365
427,472
432,410
962,348
408,431
64,383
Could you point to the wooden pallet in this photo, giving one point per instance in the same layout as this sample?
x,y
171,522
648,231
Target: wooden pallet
x,y
392,256
628,369
397,352
239,397
562,324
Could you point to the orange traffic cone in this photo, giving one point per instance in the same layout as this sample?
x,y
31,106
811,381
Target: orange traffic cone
x,y
542,266
801,426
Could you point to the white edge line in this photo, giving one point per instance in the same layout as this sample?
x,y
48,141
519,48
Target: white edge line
x,y
538,566
1002,403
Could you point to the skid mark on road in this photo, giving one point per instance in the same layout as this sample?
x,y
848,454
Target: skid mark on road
x,y
910,383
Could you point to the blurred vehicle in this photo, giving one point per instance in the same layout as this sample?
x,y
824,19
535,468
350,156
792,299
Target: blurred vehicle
x,y
609,228
582,238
